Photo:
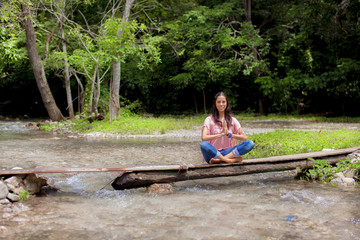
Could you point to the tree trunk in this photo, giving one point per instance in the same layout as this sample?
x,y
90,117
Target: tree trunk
x,y
261,106
66,74
204,99
97,96
195,103
114,104
92,89
247,8
37,66
81,93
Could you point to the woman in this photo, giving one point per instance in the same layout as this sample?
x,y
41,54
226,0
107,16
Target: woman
x,y
220,132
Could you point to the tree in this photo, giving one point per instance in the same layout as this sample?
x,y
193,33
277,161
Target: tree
x,y
314,56
61,22
114,105
215,45
37,65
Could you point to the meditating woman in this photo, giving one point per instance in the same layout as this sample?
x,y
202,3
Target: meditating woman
x,y
221,132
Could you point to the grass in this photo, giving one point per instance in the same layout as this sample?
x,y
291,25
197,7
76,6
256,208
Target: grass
x,y
313,118
130,123
280,142
284,142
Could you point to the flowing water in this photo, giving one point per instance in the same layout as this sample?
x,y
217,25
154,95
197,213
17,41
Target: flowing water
x,y
258,206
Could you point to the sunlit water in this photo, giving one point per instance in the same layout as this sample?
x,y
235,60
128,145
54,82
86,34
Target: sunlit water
x,y
257,206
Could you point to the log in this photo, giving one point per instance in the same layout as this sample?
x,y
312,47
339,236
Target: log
x,y
136,179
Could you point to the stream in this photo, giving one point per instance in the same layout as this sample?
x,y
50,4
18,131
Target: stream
x,y
258,206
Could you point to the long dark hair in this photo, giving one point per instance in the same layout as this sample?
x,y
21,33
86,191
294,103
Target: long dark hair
x,y
215,112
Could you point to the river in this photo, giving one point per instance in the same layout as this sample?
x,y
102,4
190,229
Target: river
x,y
258,206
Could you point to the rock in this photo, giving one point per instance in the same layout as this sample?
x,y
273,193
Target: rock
x,y
15,181
4,201
349,173
337,181
3,229
328,149
13,197
7,215
159,188
340,175
355,160
348,181
33,184
4,191
15,184
16,190
355,156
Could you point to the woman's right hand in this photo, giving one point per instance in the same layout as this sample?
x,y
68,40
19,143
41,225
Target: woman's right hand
x,y
225,129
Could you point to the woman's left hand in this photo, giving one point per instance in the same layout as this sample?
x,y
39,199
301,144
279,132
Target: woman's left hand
x,y
225,129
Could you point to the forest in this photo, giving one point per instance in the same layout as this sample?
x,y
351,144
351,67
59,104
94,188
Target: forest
x,y
67,57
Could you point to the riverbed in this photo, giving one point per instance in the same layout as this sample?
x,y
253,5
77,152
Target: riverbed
x,y
258,206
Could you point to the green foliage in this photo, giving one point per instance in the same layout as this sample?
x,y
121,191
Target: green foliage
x,y
307,63
321,170
12,42
296,56
136,107
348,164
284,142
118,39
325,172
215,45
24,196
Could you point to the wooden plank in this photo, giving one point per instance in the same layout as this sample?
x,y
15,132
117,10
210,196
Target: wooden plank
x,y
93,169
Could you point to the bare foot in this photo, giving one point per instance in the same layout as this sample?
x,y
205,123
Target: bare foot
x,y
213,160
233,160
226,160
238,160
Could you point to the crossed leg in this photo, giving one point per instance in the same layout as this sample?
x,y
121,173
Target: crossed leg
x,y
229,158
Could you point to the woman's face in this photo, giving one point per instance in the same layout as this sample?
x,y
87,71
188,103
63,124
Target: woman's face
x,y
221,103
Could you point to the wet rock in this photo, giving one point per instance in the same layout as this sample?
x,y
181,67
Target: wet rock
x,y
15,184
354,157
4,201
33,184
13,197
15,181
3,229
350,173
342,181
4,191
159,188
348,181
32,125
336,181
339,175
7,215
30,183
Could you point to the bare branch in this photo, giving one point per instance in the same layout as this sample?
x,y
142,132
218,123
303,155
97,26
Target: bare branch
x,y
105,73
47,44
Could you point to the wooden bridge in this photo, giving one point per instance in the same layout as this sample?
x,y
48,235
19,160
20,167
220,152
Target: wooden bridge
x,y
145,175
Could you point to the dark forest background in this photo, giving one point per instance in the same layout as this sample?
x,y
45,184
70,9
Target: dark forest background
x,y
269,56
